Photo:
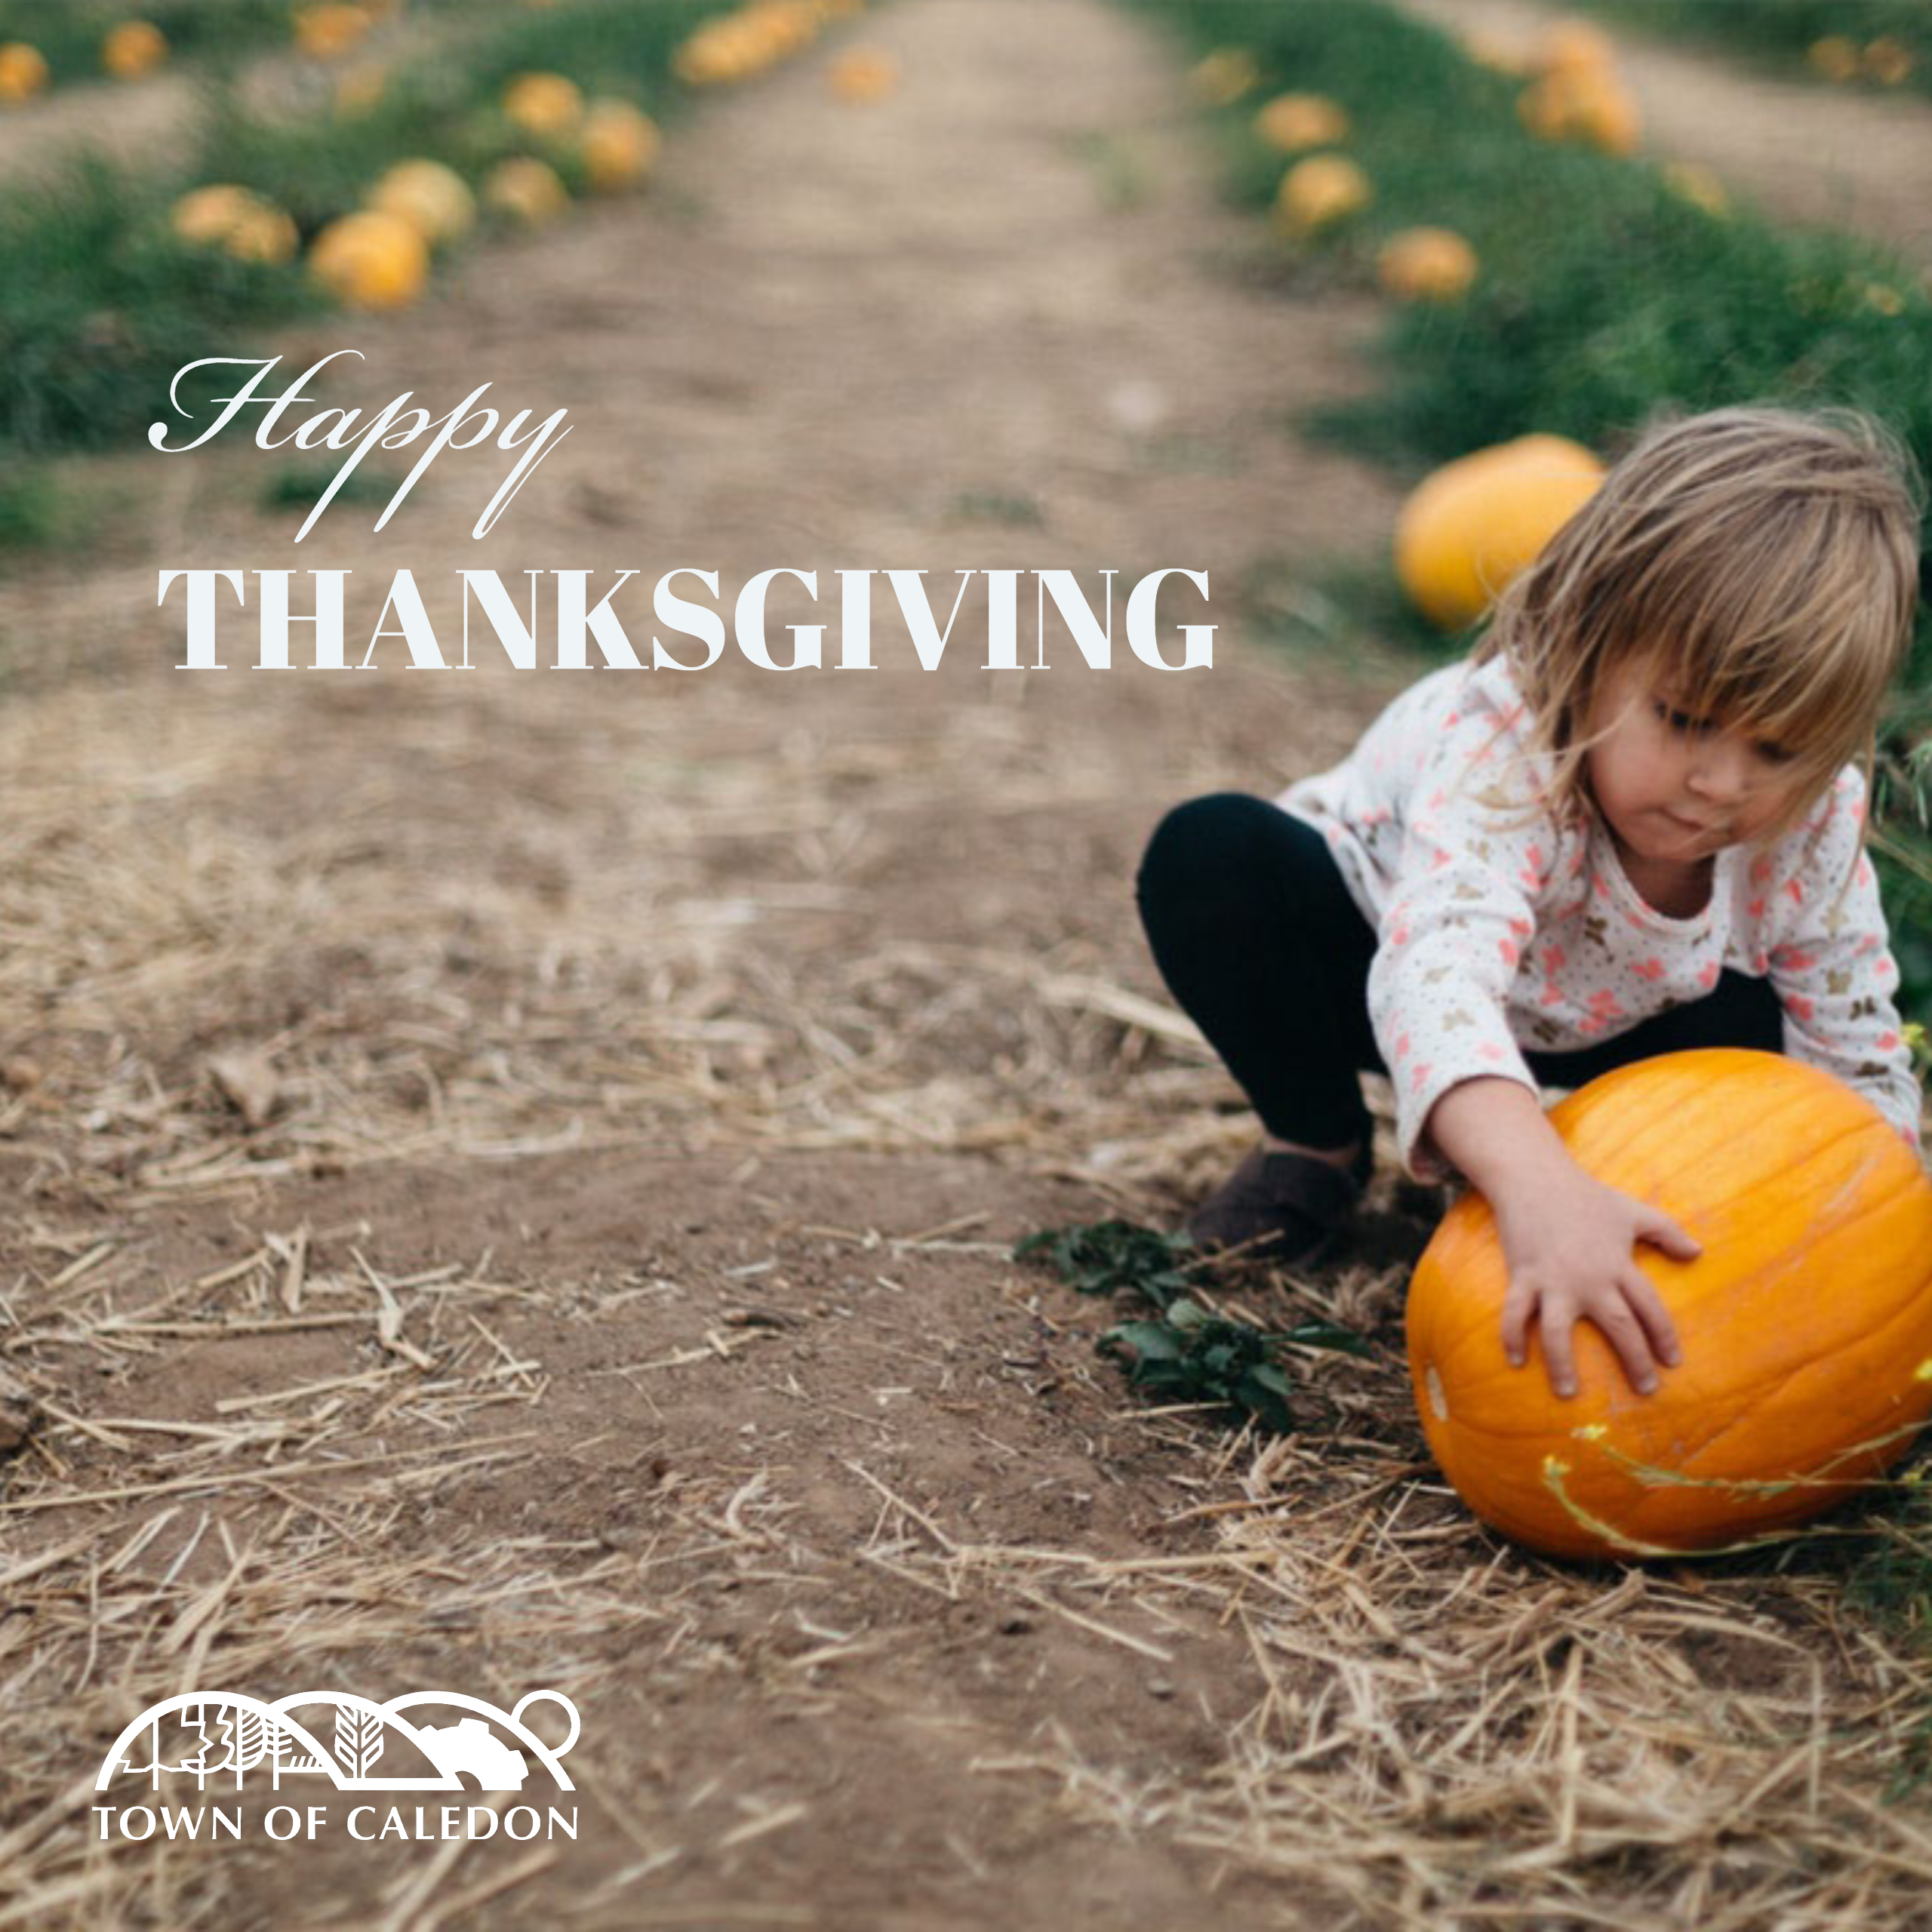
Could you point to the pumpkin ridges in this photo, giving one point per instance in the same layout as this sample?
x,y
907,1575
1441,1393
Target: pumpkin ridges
x,y
1690,1101
1479,1333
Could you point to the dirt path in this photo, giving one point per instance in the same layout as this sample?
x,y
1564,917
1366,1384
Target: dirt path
x,y
1804,153
649,1075
561,983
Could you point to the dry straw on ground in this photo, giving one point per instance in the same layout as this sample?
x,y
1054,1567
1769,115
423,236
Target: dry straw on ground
x,y
306,1457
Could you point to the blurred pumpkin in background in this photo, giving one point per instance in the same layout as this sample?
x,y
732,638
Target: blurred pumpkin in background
x,y
235,219
1220,78
862,74
371,260
133,48
618,145
1425,265
23,70
526,189
546,105
1319,192
1293,122
1469,527
434,199
329,30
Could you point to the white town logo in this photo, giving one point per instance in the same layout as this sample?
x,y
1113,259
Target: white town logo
x,y
346,1740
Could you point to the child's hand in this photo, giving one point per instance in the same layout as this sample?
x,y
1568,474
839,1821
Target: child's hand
x,y
1568,1241
1567,1238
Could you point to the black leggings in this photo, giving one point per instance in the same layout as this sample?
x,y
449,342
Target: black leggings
x,y
1257,937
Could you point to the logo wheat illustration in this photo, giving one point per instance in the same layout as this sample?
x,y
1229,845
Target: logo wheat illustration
x,y
358,1740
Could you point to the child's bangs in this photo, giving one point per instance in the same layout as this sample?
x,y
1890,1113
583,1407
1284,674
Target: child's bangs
x,y
1784,641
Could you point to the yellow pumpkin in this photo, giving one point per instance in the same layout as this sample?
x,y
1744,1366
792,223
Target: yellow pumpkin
x,y
1319,192
546,105
785,26
1834,56
371,260
1293,122
862,74
328,29
1467,528
23,70
133,48
1805,1324
1425,265
263,232
1887,60
1220,78
236,220
1588,104
526,189
434,200
706,58
619,145
206,215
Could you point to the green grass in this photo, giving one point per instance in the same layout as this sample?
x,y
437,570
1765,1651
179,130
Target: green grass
x,y
67,33
34,508
99,305
299,484
1604,296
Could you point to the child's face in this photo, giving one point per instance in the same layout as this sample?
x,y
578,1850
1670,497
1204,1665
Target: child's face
x,y
1674,789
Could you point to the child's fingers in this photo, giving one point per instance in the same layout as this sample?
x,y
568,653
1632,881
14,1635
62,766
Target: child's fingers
x,y
1656,1226
1648,1306
1626,1333
1518,1303
1558,1325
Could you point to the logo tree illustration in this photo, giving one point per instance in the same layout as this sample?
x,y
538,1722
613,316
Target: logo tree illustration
x,y
188,1726
251,1737
206,1757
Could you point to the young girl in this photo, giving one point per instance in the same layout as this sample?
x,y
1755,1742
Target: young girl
x,y
1629,824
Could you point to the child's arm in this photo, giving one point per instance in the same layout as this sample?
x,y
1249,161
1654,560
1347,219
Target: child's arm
x,y
1567,1237
1481,859
1830,961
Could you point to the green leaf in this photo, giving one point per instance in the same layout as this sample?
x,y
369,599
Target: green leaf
x,y
1327,1335
1151,1341
1186,1352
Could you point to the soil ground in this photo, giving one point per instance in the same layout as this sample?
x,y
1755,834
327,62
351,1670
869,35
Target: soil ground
x,y
1805,152
510,1178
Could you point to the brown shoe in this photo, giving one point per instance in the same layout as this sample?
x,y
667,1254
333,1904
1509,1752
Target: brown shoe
x,y
1280,1208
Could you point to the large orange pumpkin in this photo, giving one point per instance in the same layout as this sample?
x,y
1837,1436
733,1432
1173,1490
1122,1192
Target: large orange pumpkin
x,y
1805,1324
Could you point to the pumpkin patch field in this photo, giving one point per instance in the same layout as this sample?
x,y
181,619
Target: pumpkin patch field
x,y
654,1187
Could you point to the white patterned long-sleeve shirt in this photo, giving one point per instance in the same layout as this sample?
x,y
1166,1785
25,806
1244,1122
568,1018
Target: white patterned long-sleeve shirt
x,y
1501,930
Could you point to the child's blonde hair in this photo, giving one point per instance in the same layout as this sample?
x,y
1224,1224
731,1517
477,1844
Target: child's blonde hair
x,y
1759,564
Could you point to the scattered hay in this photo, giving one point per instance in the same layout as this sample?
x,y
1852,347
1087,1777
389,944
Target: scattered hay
x,y
222,980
